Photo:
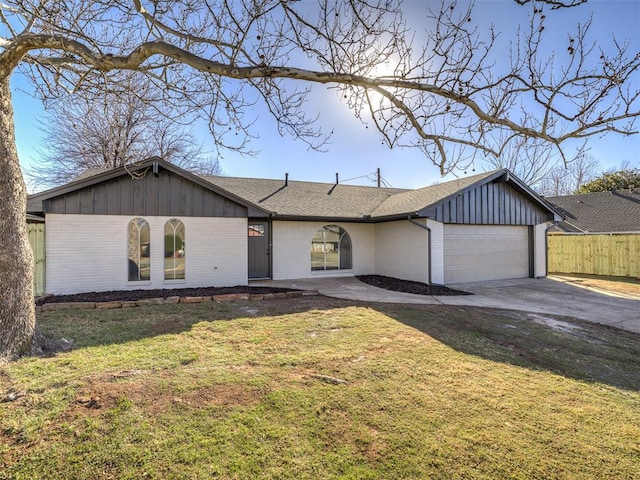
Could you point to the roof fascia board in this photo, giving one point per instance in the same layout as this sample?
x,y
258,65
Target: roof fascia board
x,y
365,219
315,218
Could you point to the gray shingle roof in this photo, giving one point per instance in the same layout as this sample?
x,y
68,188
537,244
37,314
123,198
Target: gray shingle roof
x,y
309,199
615,211
90,172
411,201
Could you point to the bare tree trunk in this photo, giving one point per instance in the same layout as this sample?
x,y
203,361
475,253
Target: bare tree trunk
x,y
17,310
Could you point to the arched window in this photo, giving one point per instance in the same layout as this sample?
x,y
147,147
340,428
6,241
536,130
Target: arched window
x,y
139,250
331,249
174,253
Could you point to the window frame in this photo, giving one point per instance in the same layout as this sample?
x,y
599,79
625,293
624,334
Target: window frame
x,y
175,224
343,242
137,245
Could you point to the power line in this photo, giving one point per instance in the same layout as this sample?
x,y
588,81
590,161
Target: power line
x,y
372,177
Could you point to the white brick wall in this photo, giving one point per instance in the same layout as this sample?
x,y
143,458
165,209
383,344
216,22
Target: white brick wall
x,y
437,252
402,251
292,249
540,250
89,253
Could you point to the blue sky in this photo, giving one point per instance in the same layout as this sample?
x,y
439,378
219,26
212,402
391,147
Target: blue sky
x,y
354,150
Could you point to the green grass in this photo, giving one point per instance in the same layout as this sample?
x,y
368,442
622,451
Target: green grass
x,y
228,391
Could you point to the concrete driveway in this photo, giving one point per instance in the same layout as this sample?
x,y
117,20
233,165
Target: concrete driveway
x,y
545,296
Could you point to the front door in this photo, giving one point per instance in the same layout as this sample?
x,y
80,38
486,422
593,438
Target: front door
x,y
259,238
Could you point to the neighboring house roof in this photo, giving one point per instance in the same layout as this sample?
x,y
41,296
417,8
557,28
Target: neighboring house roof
x,y
599,212
90,172
34,218
296,200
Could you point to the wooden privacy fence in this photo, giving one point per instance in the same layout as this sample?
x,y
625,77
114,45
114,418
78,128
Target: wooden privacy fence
x,y
36,239
616,254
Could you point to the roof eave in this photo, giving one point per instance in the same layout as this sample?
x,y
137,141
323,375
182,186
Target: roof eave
x,y
321,218
334,218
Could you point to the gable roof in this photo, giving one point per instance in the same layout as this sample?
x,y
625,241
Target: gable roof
x,y
96,177
599,212
296,200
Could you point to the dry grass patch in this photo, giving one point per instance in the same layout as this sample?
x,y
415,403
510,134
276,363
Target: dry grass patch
x,y
247,390
624,285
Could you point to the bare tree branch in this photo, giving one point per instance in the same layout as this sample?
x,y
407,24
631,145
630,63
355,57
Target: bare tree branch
x,y
447,91
111,129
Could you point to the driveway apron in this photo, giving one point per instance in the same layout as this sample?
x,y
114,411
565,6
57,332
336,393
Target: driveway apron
x,y
551,296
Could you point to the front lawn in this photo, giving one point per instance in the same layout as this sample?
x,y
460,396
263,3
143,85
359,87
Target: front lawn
x,y
323,388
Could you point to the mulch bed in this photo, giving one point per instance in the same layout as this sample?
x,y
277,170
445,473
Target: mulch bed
x,y
380,281
408,286
133,295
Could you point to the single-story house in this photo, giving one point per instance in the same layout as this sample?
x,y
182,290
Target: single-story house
x,y
615,211
154,225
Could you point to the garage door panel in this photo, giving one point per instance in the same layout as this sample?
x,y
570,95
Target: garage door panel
x,y
485,252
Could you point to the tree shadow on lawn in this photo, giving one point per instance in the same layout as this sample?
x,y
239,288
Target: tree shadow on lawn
x,y
565,346
98,327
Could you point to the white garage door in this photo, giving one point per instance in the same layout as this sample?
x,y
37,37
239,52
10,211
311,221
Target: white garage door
x,y
474,253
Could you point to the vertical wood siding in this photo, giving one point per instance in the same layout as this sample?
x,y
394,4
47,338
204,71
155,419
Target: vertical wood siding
x,y
164,195
489,204
595,254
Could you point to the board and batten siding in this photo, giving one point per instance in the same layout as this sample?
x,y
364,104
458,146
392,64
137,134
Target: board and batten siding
x,y
164,195
402,250
89,253
488,204
292,249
